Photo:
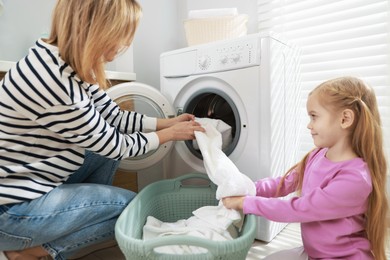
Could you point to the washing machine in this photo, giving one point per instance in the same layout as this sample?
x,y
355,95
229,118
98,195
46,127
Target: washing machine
x,y
251,83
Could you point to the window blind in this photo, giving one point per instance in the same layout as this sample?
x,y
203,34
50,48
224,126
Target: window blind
x,y
336,38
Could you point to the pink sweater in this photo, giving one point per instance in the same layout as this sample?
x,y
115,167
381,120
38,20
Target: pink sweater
x,y
331,208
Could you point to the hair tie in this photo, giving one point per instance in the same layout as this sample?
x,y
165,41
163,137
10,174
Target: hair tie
x,y
361,103
359,100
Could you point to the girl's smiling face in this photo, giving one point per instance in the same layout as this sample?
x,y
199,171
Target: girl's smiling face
x,y
325,125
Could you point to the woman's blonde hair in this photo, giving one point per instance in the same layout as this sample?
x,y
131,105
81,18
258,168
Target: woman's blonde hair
x,y
367,142
84,30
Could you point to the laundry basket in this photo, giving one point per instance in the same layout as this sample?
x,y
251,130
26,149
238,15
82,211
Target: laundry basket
x,y
169,201
205,30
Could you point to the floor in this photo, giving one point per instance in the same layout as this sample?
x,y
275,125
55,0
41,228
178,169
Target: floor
x,y
289,237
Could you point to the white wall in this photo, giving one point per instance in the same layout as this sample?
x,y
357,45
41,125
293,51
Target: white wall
x,y
157,33
161,29
22,22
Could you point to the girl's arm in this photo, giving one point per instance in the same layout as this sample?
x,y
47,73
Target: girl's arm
x,y
345,195
268,187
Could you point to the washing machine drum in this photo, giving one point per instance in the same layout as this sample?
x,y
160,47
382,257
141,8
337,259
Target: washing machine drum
x,y
144,99
212,105
209,104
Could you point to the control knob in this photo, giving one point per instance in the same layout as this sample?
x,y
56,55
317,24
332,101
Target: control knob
x,y
204,62
236,57
224,59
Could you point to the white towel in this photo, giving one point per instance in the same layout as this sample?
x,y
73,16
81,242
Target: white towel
x,y
218,216
224,130
220,169
207,13
192,226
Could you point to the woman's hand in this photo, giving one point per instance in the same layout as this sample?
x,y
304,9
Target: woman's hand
x,y
184,117
236,203
179,128
163,123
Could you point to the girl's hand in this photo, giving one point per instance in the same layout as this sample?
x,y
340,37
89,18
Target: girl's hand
x,y
236,202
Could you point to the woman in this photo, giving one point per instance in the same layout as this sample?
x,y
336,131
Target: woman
x,y
61,136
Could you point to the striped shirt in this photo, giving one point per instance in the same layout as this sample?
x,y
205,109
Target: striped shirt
x,y
49,117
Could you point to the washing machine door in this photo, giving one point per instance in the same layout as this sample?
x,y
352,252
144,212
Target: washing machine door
x,y
147,100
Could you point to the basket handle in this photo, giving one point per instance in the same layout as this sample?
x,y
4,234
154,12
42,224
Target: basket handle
x,y
179,181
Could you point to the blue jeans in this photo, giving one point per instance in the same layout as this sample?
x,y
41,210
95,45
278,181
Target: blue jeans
x,y
79,213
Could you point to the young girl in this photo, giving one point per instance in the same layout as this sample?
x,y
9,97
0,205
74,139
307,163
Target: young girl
x,y
54,197
341,201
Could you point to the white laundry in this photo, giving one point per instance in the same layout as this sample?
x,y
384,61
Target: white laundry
x,y
224,129
220,169
208,222
218,216
192,226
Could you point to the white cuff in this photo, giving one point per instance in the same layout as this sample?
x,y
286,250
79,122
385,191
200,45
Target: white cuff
x,y
153,141
150,124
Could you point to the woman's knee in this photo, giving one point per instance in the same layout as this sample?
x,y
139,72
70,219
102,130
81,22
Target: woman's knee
x,y
66,209
81,194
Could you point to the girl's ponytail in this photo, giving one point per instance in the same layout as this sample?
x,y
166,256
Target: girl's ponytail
x,y
367,141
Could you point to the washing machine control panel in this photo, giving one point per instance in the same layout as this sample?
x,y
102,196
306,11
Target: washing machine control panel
x,y
229,55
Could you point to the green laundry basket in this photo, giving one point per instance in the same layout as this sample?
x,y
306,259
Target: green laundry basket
x,y
169,201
